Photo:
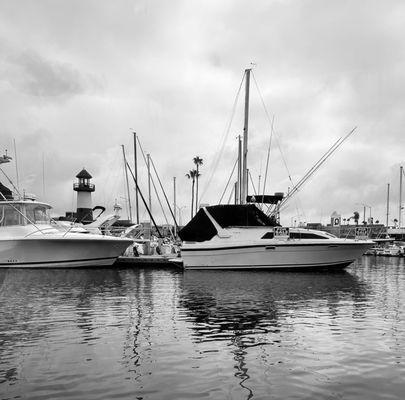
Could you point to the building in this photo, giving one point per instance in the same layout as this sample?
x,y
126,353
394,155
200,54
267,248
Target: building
x,y
84,188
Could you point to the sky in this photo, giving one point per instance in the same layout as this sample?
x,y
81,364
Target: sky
x,y
78,77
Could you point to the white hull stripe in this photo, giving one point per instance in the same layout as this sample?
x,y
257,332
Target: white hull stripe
x,y
56,261
251,266
185,249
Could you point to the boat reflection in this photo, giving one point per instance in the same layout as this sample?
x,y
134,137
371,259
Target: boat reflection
x,y
253,309
222,304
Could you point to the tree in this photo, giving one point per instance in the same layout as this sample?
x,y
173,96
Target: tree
x,y
356,217
198,162
192,175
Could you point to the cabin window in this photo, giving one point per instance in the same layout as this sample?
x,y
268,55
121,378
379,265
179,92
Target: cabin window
x,y
37,214
306,235
10,215
268,235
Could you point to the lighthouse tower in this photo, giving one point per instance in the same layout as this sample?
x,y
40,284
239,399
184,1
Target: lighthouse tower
x,y
83,187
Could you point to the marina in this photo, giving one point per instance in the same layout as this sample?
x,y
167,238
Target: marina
x,y
202,200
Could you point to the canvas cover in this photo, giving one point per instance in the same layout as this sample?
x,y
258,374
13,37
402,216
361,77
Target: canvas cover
x,y
6,193
200,228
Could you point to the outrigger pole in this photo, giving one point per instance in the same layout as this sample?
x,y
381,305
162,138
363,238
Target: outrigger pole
x,y
316,166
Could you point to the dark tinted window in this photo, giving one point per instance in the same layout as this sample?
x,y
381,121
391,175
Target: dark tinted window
x,y
305,235
268,235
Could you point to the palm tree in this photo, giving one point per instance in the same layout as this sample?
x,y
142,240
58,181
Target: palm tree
x,y
192,175
197,161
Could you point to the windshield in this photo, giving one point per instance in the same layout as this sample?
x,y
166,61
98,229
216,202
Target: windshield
x,y
37,214
11,215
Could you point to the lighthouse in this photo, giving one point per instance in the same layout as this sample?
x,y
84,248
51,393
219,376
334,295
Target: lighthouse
x,y
84,188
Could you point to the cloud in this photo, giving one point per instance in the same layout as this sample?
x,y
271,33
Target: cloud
x,y
40,77
77,76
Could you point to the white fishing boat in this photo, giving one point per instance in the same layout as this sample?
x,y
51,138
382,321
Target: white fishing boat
x,y
30,239
242,236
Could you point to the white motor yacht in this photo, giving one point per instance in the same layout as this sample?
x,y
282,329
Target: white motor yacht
x,y
28,238
244,237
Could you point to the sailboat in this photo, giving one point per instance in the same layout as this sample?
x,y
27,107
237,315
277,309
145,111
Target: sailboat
x,y
242,236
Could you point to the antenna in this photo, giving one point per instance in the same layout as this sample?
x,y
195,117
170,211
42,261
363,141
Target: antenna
x,y
16,165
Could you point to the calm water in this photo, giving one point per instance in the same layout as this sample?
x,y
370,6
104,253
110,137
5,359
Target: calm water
x,y
165,334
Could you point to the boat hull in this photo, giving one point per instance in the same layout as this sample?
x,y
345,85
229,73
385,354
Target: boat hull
x,y
61,252
273,256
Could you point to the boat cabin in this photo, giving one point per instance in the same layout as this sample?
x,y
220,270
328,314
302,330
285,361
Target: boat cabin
x,y
24,213
210,220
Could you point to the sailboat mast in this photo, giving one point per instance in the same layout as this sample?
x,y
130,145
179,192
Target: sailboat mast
x,y
126,179
238,191
388,203
149,194
244,191
400,196
136,177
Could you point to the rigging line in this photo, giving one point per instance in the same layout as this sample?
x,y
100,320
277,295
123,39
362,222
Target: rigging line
x,y
16,209
11,182
275,136
125,194
144,201
331,151
153,183
224,138
230,177
317,165
309,173
231,195
126,179
113,167
268,156
164,193
271,121
16,165
313,169
253,185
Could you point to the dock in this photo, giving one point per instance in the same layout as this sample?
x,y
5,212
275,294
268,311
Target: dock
x,y
150,261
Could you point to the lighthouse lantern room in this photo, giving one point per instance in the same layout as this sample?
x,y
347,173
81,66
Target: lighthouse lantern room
x,y
84,188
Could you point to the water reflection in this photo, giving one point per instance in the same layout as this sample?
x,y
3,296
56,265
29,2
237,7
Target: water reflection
x,y
107,333
257,308
223,304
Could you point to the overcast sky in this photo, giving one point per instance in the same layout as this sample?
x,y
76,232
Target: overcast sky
x,y
76,77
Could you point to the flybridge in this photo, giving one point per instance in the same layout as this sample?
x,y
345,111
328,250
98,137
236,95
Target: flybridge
x,y
266,198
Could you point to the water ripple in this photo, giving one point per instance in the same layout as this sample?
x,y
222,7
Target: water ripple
x,y
152,334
